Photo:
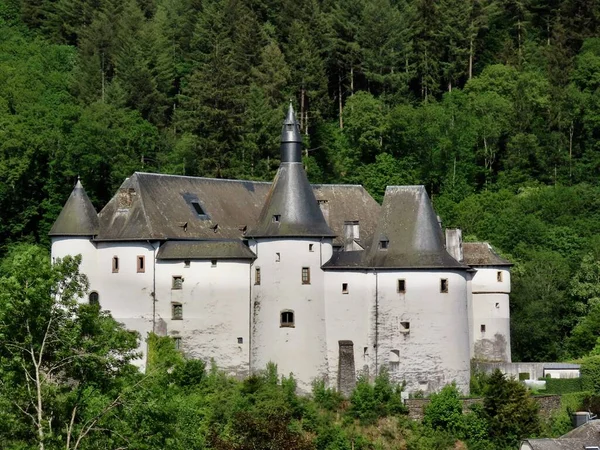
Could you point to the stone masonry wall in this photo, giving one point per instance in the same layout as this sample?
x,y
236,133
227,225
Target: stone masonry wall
x,y
548,404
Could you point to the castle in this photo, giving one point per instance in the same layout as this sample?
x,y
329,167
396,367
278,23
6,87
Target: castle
x,y
319,279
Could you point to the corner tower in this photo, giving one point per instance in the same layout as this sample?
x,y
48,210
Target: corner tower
x,y
74,229
291,240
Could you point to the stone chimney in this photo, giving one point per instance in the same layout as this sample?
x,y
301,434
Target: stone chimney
x,y
351,232
454,244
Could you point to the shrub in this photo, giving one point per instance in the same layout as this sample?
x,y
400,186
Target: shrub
x,y
444,411
563,385
590,374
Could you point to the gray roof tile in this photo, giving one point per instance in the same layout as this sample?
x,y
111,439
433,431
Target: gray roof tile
x,y
78,217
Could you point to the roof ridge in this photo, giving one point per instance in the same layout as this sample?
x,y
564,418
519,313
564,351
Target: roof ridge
x,y
200,178
141,198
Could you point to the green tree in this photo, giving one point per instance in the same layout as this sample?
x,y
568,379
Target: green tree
x,y
60,359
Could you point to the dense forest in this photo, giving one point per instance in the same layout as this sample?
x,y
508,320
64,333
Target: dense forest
x,y
493,105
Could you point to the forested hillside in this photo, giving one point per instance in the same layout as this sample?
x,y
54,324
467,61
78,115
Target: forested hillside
x,y
493,105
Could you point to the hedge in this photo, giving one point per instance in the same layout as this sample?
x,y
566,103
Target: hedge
x,y
563,385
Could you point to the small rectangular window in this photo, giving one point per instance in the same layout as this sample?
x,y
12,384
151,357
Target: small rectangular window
x,y
277,257
444,285
404,327
177,342
198,209
240,340
141,266
384,244
287,319
213,263
257,275
401,286
115,264
310,247
186,263
176,311
177,282
344,288
276,218
482,328
499,277
306,275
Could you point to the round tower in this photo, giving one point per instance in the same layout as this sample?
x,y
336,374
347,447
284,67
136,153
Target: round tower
x,y
74,229
490,285
291,240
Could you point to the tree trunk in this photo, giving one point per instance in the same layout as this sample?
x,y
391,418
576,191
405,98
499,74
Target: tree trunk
x,y
471,58
340,102
302,107
351,80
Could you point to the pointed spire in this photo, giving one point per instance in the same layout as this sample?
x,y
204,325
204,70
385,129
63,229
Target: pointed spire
x,y
78,217
291,139
291,209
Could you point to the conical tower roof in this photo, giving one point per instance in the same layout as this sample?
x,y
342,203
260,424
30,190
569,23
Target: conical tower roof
x,y
78,217
291,209
408,234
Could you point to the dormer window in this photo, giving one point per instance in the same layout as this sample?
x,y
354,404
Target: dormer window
x,y
276,218
198,208
384,244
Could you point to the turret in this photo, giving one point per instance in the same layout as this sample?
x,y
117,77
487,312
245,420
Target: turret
x,y
291,240
78,217
291,209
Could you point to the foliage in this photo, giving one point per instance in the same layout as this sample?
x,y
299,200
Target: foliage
x,y
369,402
590,374
562,386
509,410
444,411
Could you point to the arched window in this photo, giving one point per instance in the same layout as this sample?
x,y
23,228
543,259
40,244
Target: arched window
x,y
94,298
287,319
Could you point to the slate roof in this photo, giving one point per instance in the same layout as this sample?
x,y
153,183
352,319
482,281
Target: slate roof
x,y
586,435
482,254
161,207
182,250
414,238
78,217
291,198
291,209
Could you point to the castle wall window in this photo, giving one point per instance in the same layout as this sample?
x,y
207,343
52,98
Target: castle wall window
x,y
306,275
186,263
404,327
177,342
240,340
141,264
482,328
499,277
344,288
176,311
311,247
287,319
94,298
444,285
177,282
213,263
384,244
257,276
115,264
277,257
401,286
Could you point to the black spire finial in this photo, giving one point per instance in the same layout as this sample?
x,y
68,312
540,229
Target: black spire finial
x,y
291,139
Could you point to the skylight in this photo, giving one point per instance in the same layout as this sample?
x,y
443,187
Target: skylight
x,y
198,209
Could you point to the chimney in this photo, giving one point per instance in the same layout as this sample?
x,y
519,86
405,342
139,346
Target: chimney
x,y
454,244
351,232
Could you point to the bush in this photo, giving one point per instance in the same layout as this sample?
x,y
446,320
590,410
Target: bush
x,y
563,385
590,374
444,411
370,402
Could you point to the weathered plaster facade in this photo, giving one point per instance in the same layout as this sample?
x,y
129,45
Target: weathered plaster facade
x,y
320,280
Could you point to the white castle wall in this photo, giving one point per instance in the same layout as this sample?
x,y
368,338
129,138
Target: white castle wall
x,y
436,350
126,294
216,310
300,350
349,318
491,314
